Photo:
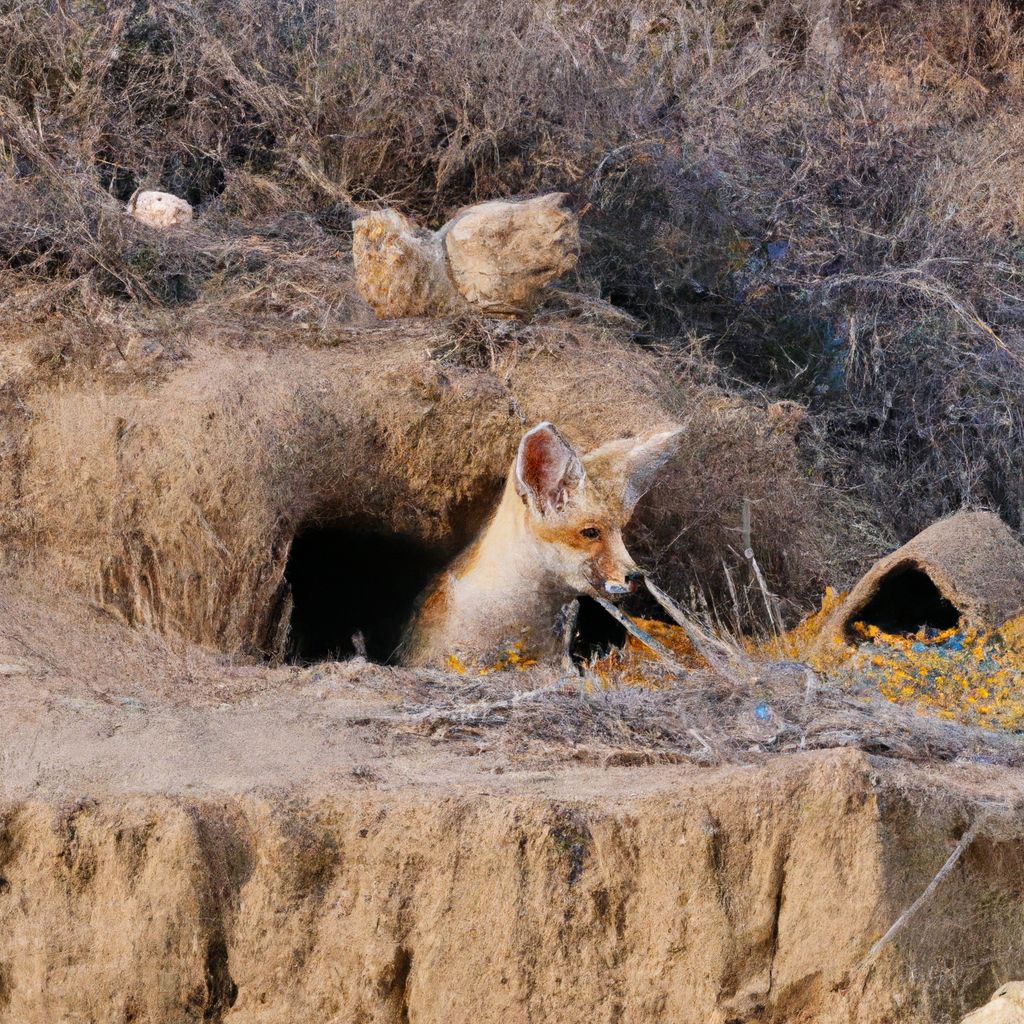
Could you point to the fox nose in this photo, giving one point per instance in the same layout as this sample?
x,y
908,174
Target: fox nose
x,y
632,582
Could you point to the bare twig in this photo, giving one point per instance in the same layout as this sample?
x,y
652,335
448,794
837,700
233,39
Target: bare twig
x,y
737,613
703,742
646,639
770,604
483,712
567,623
716,653
769,598
904,919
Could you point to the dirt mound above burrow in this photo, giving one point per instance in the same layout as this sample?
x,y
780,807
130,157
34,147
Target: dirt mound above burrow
x,y
966,572
176,499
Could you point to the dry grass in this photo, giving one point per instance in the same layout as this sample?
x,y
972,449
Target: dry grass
x,y
536,717
821,199
702,719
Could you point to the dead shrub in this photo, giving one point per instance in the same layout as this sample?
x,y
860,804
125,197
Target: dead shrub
x,y
821,190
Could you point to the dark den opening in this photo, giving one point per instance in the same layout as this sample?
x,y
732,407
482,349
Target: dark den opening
x,y
597,632
348,583
908,601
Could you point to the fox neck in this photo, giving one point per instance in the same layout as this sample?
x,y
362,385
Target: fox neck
x,y
501,593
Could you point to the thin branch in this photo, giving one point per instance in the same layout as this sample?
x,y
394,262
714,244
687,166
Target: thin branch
x,y
716,653
645,638
904,919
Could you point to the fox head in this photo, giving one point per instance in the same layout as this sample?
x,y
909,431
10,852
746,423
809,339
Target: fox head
x,y
576,508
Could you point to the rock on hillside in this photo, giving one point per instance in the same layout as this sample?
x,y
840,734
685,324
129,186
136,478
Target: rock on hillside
x,y
160,209
494,258
1005,1007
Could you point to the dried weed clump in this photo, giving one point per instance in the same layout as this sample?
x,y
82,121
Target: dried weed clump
x,y
821,196
641,713
971,676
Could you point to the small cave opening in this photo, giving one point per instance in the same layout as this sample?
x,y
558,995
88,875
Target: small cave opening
x,y
906,602
597,632
353,588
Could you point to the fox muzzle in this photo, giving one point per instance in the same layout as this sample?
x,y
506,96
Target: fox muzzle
x,y
633,581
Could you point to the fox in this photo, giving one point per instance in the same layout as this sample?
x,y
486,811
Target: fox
x,y
556,534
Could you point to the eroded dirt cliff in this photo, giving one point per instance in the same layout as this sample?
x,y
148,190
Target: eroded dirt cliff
x,y
186,838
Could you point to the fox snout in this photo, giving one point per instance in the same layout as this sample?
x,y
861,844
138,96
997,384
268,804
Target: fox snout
x,y
630,585
611,572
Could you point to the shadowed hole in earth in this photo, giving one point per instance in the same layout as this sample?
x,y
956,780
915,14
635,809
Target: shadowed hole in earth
x,y
597,632
347,582
906,601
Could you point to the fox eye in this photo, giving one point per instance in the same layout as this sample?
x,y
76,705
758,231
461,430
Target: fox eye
x,y
590,532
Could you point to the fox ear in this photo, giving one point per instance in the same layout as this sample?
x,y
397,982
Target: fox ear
x,y
634,462
645,462
548,472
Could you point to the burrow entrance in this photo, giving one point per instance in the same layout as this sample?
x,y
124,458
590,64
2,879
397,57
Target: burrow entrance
x,y
353,588
354,591
906,602
597,632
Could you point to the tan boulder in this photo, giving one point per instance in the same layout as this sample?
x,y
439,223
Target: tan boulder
x,y
1005,1007
500,254
494,258
159,209
400,268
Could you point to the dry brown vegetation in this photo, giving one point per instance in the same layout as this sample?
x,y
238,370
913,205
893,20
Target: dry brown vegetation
x,y
815,200
175,501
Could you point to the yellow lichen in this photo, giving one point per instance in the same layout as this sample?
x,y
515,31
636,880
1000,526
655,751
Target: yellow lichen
x,y
513,657
969,675
632,664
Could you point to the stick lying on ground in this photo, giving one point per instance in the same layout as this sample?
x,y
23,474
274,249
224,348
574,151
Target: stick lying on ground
x,y
645,638
901,922
716,653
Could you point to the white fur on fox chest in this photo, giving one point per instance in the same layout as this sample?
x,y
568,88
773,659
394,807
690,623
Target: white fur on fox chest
x,y
505,594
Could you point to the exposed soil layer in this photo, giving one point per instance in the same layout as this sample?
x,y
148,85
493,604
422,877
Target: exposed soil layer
x,y
187,838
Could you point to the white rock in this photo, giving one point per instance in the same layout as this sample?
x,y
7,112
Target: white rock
x,y
159,209
500,254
